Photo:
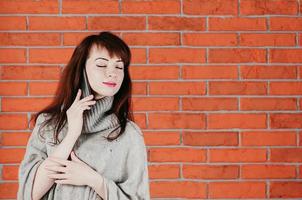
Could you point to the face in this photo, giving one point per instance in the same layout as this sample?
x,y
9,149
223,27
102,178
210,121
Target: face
x,y
105,74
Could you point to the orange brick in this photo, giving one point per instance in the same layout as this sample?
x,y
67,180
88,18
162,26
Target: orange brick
x,y
116,23
175,88
14,139
140,119
163,138
237,155
12,23
236,120
268,171
268,104
176,23
151,7
285,189
237,190
6,155
42,88
89,7
10,172
211,171
237,88
177,155
268,138
176,120
286,155
268,72
210,138
74,38
13,122
24,104
12,55
209,103
152,39
210,39
154,72
164,171
29,7
139,88
213,7
30,39
237,24
176,55
209,72
183,189
286,55
286,120
262,39
8,190
13,88
285,23
52,56
154,103
57,23
238,55
285,88
30,72
268,7
139,55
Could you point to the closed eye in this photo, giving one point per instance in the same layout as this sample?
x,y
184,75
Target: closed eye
x,y
101,66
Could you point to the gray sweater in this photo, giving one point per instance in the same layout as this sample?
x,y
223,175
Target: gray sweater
x,y
122,163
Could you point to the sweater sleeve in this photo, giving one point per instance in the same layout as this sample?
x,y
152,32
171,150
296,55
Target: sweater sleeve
x,y
136,185
35,154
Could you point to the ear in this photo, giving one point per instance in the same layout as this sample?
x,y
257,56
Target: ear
x,y
74,157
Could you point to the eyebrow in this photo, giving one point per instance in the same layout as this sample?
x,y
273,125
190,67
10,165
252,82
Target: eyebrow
x,y
107,59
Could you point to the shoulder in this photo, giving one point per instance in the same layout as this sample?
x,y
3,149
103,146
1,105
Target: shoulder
x,y
135,134
132,126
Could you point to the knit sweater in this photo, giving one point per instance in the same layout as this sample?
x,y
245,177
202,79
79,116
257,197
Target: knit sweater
x,y
122,163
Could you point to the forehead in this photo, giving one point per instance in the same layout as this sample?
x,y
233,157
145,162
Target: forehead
x,y
96,52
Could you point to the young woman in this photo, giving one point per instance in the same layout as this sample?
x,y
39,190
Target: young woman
x,y
85,144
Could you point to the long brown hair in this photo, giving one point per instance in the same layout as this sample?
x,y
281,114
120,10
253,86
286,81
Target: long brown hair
x,y
72,76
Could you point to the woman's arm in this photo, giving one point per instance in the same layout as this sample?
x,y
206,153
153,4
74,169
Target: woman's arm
x,y
99,186
41,182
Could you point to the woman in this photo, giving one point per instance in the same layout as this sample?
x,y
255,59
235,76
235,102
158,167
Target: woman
x,y
85,144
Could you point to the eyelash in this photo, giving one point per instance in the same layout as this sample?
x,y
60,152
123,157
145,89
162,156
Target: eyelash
x,y
105,66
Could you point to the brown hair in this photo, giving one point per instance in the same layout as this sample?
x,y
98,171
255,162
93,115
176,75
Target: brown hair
x,y
72,76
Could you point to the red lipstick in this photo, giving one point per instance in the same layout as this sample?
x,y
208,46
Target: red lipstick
x,y
110,84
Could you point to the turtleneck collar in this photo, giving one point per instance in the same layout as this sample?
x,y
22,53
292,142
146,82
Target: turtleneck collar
x,y
95,120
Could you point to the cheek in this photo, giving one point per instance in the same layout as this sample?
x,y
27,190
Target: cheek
x,y
121,77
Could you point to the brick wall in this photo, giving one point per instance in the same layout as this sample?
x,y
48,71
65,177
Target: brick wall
x,y
217,88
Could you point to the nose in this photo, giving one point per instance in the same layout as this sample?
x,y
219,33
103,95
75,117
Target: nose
x,y
111,72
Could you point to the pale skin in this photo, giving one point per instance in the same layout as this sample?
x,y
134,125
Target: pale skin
x,y
56,168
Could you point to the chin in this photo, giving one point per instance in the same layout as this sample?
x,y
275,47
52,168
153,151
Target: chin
x,y
108,93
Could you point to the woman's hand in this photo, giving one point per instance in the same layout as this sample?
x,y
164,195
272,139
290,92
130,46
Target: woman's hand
x,y
75,113
74,172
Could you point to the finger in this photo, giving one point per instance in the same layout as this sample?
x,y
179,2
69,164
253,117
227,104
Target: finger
x,y
85,107
88,103
57,176
86,98
78,95
62,181
61,161
56,168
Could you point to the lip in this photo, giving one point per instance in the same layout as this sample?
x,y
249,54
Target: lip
x,y
110,84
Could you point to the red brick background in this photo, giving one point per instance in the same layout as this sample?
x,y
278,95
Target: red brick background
x,y
217,87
